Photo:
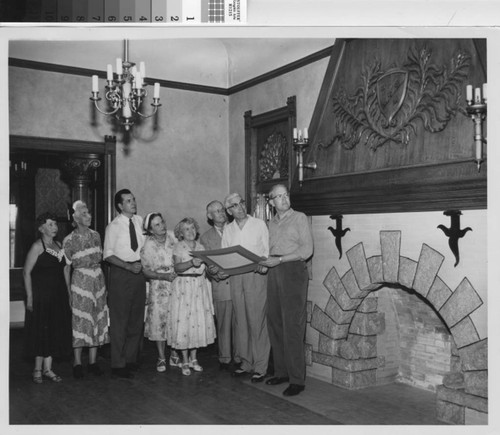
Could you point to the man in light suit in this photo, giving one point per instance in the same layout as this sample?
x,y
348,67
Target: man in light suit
x,y
223,304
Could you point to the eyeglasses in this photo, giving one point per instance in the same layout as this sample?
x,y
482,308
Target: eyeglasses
x,y
281,195
236,204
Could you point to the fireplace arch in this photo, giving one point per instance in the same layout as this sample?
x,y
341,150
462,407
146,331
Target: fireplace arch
x,y
350,309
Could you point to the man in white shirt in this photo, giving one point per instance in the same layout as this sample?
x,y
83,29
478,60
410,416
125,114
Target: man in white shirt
x,y
248,290
127,285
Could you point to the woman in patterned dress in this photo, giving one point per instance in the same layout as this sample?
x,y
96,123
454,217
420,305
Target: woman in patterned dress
x,y
191,322
83,251
158,267
48,316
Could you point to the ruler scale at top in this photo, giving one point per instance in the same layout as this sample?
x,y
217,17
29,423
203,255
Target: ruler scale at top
x,y
134,11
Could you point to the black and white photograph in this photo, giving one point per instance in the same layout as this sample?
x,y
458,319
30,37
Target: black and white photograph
x,y
356,162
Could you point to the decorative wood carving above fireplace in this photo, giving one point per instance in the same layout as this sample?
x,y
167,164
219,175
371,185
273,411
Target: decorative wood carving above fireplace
x,y
390,133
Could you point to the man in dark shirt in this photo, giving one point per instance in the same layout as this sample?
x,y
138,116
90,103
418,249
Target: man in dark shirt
x,y
290,245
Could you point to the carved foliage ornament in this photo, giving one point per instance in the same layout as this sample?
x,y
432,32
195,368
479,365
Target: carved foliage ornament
x,y
273,161
389,103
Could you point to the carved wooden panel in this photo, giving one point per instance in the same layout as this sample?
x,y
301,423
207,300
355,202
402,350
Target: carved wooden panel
x,y
394,105
268,150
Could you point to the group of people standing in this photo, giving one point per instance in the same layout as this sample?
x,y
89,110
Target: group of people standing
x,y
67,300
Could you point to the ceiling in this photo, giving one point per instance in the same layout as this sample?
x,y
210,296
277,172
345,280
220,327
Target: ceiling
x,y
219,62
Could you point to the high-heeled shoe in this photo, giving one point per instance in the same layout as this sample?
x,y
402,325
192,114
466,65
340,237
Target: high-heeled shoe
x,y
174,361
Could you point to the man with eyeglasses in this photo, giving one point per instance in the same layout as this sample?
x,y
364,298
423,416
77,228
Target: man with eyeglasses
x,y
248,290
223,305
290,245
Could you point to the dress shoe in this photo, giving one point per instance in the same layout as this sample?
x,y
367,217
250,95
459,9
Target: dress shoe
x,y
122,372
132,367
239,372
277,381
224,366
257,377
78,371
293,390
95,369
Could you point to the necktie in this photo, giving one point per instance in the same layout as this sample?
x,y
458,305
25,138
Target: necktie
x,y
133,236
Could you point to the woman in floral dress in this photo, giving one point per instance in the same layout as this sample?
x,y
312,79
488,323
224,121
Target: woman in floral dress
x,y
191,321
158,267
83,251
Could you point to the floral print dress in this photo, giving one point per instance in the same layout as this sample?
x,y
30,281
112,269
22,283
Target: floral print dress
x,y
191,312
157,257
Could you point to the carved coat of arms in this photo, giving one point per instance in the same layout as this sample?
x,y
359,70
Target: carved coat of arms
x,y
389,103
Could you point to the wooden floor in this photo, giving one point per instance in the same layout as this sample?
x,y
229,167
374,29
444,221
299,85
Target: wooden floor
x,y
209,398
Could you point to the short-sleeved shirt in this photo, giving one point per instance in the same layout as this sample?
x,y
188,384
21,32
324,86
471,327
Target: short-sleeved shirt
x,y
117,239
254,236
290,234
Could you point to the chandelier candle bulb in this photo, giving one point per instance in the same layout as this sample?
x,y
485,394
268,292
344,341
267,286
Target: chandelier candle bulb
x,y
119,69
306,134
484,91
142,69
110,73
469,93
95,84
477,95
138,81
295,133
156,93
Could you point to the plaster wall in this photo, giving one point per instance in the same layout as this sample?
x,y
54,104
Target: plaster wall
x,y
174,164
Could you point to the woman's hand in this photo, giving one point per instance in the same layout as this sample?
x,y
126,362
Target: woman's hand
x,y
29,303
196,262
135,267
170,276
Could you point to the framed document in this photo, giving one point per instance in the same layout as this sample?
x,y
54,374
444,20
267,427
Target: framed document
x,y
231,261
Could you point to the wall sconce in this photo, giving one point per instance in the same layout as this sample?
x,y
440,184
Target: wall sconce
x,y
300,143
476,109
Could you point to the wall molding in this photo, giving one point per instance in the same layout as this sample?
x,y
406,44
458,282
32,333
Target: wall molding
x,y
86,72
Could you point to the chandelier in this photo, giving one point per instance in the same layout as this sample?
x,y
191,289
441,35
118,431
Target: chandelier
x,y
125,91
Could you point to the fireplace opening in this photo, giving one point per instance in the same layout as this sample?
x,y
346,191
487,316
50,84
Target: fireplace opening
x,y
414,345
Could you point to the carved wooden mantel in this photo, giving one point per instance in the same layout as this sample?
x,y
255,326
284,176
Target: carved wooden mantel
x,y
390,132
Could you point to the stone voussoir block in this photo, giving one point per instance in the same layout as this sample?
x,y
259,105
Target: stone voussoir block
x,y
366,345
460,304
324,324
475,356
336,313
375,268
439,293
334,285
357,260
390,245
428,266
464,333
407,269
369,305
351,286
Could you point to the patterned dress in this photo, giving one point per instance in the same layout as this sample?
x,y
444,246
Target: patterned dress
x,y
190,308
88,289
157,257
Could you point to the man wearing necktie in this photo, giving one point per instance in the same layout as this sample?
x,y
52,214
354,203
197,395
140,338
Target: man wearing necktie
x,y
127,285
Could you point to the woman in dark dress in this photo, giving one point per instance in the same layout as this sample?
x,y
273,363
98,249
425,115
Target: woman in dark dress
x,y
48,314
